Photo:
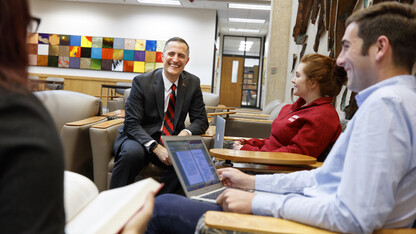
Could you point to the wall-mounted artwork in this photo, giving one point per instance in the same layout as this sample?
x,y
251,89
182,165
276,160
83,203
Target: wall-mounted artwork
x,y
94,53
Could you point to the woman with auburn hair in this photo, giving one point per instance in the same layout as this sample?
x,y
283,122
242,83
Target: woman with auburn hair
x,y
311,124
31,155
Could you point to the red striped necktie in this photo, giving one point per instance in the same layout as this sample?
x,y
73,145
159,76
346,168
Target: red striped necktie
x,y
170,114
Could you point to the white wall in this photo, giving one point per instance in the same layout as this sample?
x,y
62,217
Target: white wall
x,y
196,26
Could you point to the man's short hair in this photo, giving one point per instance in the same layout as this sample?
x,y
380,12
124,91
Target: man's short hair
x,y
396,21
177,39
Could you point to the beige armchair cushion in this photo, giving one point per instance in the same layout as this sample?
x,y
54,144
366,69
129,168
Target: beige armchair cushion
x,y
68,106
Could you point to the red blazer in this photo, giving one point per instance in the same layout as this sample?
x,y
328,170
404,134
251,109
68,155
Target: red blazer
x,y
304,130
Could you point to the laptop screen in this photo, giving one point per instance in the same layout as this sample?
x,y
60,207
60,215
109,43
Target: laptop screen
x,y
193,163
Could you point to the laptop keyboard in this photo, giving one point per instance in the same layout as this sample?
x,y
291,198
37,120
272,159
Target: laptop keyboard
x,y
213,195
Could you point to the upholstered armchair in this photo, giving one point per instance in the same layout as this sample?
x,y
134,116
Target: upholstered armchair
x,y
74,113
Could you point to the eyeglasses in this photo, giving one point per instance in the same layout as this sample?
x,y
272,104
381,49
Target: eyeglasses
x,y
33,25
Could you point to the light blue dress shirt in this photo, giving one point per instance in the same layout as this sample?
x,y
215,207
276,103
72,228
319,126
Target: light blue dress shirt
x,y
368,180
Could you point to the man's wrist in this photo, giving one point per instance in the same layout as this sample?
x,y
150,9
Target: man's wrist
x,y
152,146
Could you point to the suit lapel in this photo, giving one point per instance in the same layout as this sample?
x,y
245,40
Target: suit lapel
x,y
159,90
180,97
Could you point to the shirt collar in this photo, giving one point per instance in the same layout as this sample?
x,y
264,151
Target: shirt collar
x,y
167,83
407,80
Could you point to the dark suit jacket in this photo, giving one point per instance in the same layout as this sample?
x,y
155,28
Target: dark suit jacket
x,y
145,107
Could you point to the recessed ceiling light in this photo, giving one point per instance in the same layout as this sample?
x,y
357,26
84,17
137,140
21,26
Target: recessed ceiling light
x,y
249,6
240,20
243,30
160,2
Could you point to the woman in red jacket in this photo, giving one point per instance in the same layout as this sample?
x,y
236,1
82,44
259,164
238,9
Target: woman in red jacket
x,y
311,124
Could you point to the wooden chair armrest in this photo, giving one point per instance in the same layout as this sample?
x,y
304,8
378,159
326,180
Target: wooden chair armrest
x,y
108,124
117,113
262,224
86,121
256,224
220,107
250,120
210,131
221,113
231,138
254,115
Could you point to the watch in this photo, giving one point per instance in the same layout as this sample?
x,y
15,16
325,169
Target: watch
x,y
152,146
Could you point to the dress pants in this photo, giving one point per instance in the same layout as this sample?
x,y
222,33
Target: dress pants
x,y
177,214
131,158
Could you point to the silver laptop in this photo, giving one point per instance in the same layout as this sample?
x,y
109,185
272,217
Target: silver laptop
x,y
194,167
219,132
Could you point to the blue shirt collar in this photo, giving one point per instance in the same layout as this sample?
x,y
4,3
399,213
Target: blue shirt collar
x,y
407,80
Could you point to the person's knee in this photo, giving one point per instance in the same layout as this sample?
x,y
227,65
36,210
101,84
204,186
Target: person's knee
x,y
131,153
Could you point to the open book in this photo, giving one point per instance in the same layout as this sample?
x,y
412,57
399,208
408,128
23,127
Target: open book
x,y
88,211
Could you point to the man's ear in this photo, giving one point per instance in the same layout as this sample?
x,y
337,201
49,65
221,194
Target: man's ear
x,y
382,45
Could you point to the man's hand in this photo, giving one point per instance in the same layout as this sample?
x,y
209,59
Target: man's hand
x,y
235,200
183,133
162,154
232,177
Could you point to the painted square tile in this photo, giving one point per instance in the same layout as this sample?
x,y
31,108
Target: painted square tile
x,y
118,43
75,41
118,54
97,42
64,39
85,52
150,57
138,67
53,61
160,46
75,51
32,48
151,45
53,50
63,62
129,55
158,65
42,60
32,60
106,64
159,57
43,38
108,42
96,53
128,66
74,62
86,41
64,51
32,38
96,64
129,44
54,39
43,49
149,67
117,65
107,53
85,63
140,45
139,55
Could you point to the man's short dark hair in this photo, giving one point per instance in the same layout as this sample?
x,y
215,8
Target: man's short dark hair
x,y
396,21
177,39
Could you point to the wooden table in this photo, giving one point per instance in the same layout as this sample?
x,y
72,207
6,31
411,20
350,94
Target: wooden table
x,y
115,114
269,162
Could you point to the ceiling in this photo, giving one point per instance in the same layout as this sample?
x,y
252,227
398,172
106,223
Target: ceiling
x,y
223,12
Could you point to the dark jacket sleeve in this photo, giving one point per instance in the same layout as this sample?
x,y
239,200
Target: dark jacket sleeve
x,y
32,167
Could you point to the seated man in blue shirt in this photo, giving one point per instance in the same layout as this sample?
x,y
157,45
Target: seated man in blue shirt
x,y
368,181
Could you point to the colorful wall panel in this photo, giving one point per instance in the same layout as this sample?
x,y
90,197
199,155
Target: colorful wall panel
x,y
94,53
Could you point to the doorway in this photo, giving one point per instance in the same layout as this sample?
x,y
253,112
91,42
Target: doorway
x,y
231,81
241,67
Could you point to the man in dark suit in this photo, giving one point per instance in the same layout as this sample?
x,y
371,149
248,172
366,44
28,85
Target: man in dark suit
x,y
138,142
